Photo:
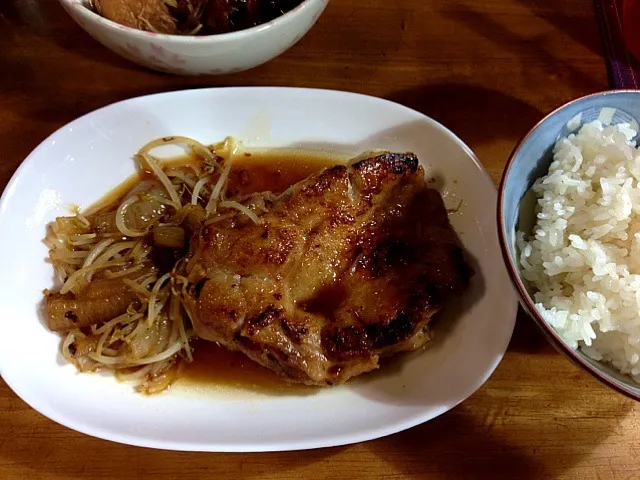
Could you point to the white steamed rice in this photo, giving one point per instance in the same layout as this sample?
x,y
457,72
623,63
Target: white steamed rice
x,y
583,256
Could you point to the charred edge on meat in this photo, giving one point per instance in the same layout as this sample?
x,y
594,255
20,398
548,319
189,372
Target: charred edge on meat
x,y
262,320
342,344
399,164
293,331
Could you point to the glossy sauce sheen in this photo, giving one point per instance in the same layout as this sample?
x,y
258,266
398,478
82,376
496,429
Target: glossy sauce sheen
x,y
261,172
213,365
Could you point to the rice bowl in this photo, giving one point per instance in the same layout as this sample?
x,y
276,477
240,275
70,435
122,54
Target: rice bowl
x,y
583,255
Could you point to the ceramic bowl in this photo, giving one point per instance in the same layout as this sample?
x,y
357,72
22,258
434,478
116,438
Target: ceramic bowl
x,y
200,55
529,161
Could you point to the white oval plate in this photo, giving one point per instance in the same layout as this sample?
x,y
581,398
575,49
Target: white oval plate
x,y
86,158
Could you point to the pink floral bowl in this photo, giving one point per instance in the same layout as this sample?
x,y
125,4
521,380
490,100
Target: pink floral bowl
x,y
200,55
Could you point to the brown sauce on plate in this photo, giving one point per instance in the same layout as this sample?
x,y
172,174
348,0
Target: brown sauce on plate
x,y
264,171
256,171
216,367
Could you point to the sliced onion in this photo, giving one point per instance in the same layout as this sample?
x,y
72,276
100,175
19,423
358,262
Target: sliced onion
x,y
196,190
154,309
76,276
168,353
96,251
155,168
120,218
246,210
215,194
197,147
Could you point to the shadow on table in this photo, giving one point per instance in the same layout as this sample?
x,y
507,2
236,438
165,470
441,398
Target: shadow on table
x,y
514,428
527,336
453,447
48,22
577,23
544,67
460,107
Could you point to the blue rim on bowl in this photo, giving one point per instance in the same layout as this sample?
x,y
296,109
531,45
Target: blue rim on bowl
x,y
601,372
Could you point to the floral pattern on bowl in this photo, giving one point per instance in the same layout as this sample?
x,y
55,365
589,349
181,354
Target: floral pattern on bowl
x,y
204,55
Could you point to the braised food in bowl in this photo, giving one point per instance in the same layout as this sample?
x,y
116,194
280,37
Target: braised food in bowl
x,y
193,17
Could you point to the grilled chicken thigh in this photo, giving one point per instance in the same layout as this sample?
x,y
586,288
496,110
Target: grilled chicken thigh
x,y
347,266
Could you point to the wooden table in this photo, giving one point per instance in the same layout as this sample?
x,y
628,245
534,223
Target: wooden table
x,y
487,69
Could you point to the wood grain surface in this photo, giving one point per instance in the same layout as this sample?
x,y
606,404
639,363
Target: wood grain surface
x,y
487,69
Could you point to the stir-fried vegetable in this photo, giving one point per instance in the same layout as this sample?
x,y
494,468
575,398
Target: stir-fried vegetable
x,y
120,304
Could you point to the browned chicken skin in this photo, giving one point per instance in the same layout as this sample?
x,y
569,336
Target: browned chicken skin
x,y
347,266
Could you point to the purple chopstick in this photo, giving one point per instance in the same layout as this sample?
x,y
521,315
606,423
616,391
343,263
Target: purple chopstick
x,y
623,68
